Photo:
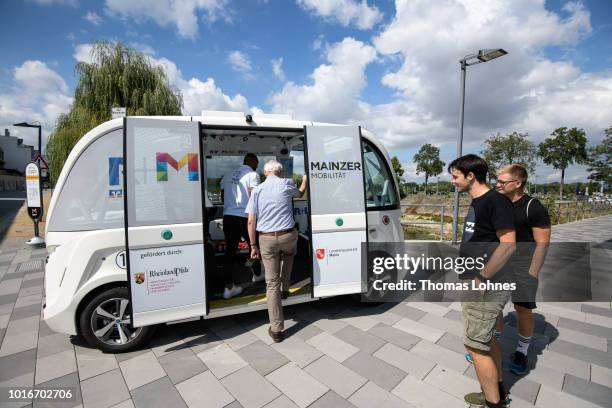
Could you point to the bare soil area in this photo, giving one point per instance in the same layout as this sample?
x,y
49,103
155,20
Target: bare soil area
x,y
23,226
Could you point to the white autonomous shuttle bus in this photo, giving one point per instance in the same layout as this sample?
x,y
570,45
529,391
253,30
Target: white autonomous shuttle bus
x,y
134,230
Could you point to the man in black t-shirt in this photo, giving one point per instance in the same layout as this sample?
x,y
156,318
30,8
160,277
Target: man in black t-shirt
x,y
532,226
489,233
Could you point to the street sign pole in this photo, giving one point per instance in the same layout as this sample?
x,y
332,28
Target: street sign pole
x,y
34,201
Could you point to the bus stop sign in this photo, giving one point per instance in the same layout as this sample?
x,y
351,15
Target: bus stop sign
x,y
33,191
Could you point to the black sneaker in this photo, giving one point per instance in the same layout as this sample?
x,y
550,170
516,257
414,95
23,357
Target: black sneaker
x,y
519,363
477,400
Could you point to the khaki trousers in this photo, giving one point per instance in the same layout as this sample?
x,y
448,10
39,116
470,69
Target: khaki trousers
x,y
277,253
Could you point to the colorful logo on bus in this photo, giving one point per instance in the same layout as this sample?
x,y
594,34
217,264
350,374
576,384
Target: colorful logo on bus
x,y
189,159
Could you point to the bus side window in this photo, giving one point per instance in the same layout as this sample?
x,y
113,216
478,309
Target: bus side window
x,y
92,196
379,186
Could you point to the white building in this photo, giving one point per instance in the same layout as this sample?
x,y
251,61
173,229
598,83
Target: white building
x,y
16,154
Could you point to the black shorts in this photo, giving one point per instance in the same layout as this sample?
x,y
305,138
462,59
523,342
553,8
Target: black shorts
x,y
526,286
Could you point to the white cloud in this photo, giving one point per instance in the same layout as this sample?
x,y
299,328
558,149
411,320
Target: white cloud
x,y
401,124
409,171
335,89
524,91
346,12
39,94
183,14
554,176
499,94
93,18
277,68
583,102
335,95
239,61
82,53
206,95
200,95
35,78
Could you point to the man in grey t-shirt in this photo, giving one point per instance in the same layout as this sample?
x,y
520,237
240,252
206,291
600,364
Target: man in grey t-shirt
x,y
270,213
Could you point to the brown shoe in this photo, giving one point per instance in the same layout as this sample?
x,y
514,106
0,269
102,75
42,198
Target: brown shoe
x,y
277,337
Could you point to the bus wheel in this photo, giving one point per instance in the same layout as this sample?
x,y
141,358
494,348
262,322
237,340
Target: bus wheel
x,y
105,323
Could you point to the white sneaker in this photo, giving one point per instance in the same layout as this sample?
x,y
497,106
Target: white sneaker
x,y
258,278
229,293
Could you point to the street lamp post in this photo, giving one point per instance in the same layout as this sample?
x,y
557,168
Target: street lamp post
x,y
472,59
37,240
33,125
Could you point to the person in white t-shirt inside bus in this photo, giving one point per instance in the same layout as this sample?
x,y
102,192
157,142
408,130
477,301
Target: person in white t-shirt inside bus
x,y
236,187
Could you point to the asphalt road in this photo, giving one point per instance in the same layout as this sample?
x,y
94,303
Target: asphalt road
x,y
10,203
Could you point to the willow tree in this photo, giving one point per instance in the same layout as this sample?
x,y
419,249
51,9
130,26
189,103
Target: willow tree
x,y
117,76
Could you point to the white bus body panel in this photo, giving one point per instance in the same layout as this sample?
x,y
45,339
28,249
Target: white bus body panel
x,y
89,253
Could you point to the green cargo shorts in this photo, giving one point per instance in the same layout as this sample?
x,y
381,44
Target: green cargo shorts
x,y
480,311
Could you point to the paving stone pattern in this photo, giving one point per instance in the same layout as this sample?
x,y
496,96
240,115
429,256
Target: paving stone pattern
x,y
337,354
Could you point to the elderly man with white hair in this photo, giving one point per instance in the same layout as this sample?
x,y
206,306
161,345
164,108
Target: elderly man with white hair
x,y
270,213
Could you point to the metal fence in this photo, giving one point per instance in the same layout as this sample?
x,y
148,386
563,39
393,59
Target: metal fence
x,y
574,210
441,213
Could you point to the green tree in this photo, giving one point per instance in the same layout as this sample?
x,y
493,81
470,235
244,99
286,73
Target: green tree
x,y
513,148
117,76
397,167
399,172
428,161
411,187
565,147
600,160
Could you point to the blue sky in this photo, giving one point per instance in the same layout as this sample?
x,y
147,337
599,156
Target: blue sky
x,y
391,67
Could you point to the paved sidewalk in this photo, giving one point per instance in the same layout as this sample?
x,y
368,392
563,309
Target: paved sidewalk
x,y
338,354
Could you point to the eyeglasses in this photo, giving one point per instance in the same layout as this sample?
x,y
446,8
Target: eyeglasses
x,y
503,183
